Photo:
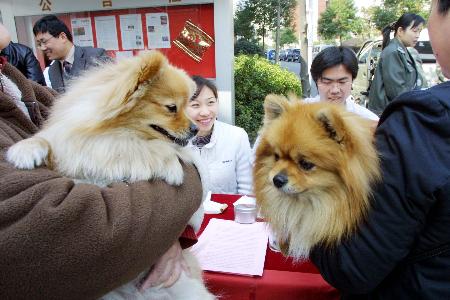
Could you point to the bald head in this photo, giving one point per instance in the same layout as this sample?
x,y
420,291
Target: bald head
x,y
5,37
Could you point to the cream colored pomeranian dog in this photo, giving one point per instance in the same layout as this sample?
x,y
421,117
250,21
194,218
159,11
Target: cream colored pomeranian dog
x,y
313,172
122,121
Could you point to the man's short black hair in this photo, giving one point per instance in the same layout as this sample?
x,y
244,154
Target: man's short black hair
x,y
52,25
334,56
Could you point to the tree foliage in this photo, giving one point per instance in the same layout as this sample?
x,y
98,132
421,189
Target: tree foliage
x,y
339,20
261,16
243,46
243,23
287,36
256,77
390,10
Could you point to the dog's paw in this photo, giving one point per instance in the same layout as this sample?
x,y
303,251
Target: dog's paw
x,y
174,174
28,153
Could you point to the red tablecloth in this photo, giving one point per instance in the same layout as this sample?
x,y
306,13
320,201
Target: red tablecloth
x,y
282,279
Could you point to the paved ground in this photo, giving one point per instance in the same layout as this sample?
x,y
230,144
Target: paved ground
x,y
294,67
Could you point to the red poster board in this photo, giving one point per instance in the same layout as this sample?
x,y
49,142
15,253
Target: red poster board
x,y
202,15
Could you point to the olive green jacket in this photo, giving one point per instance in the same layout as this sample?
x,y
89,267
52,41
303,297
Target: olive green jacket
x,y
396,73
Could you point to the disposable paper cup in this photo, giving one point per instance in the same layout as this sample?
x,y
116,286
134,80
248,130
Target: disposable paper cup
x,y
245,213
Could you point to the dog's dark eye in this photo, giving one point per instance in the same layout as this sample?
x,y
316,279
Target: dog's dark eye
x,y
306,165
172,108
276,157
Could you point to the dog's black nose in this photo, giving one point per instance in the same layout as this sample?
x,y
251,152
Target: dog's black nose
x,y
280,180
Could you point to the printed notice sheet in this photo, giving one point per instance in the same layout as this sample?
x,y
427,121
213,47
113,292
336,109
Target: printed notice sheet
x,y
230,247
131,30
82,32
105,28
123,54
158,33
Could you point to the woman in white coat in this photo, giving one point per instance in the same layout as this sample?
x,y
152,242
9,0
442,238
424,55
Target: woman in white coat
x,y
224,148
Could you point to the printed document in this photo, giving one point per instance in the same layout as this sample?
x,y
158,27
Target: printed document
x,y
230,247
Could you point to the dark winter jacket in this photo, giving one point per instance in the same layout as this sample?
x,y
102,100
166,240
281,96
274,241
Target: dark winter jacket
x,y
22,57
402,251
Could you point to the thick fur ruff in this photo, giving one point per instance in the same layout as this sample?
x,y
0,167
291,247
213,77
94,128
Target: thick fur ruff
x,y
313,172
121,121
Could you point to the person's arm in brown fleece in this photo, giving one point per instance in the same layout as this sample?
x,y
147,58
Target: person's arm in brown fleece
x,y
65,241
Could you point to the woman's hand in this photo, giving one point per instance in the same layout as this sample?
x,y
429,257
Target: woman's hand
x,y
167,269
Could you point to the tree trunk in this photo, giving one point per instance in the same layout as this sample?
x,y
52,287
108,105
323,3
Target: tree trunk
x,y
277,34
303,33
263,34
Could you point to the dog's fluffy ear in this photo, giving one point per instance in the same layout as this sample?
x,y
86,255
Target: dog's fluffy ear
x,y
135,73
274,106
152,62
332,121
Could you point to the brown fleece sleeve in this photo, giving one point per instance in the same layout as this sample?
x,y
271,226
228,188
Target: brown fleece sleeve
x,y
44,94
61,240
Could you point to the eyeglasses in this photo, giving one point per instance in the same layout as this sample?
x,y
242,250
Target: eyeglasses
x,y
43,43
341,83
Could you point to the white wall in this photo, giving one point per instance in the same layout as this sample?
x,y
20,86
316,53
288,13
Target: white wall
x,y
6,8
224,40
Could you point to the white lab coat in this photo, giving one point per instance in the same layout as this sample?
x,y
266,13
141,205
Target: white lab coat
x,y
226,159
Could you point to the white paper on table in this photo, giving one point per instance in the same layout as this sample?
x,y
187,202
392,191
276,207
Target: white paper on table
x,y
230,247
213,207
245,200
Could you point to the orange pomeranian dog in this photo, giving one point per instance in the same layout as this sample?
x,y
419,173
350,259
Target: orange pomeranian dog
x,y
313,172
122,121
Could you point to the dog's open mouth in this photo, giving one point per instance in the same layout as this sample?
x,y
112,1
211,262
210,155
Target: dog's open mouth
x,y
179,141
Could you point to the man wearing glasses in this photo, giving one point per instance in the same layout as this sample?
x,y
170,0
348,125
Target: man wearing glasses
x,y
55,40
333,70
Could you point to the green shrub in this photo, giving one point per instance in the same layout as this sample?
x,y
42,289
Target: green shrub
x,y
255,78
243,46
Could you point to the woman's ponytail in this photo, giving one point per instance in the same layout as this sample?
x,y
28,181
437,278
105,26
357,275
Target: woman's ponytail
x,y
386,32
406,20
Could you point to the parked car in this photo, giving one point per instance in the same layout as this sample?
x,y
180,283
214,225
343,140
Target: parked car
x,y
288,54
270,55
283,54
368,57
293,55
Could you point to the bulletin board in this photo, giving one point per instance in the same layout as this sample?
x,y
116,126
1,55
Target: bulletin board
x,y
199,17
